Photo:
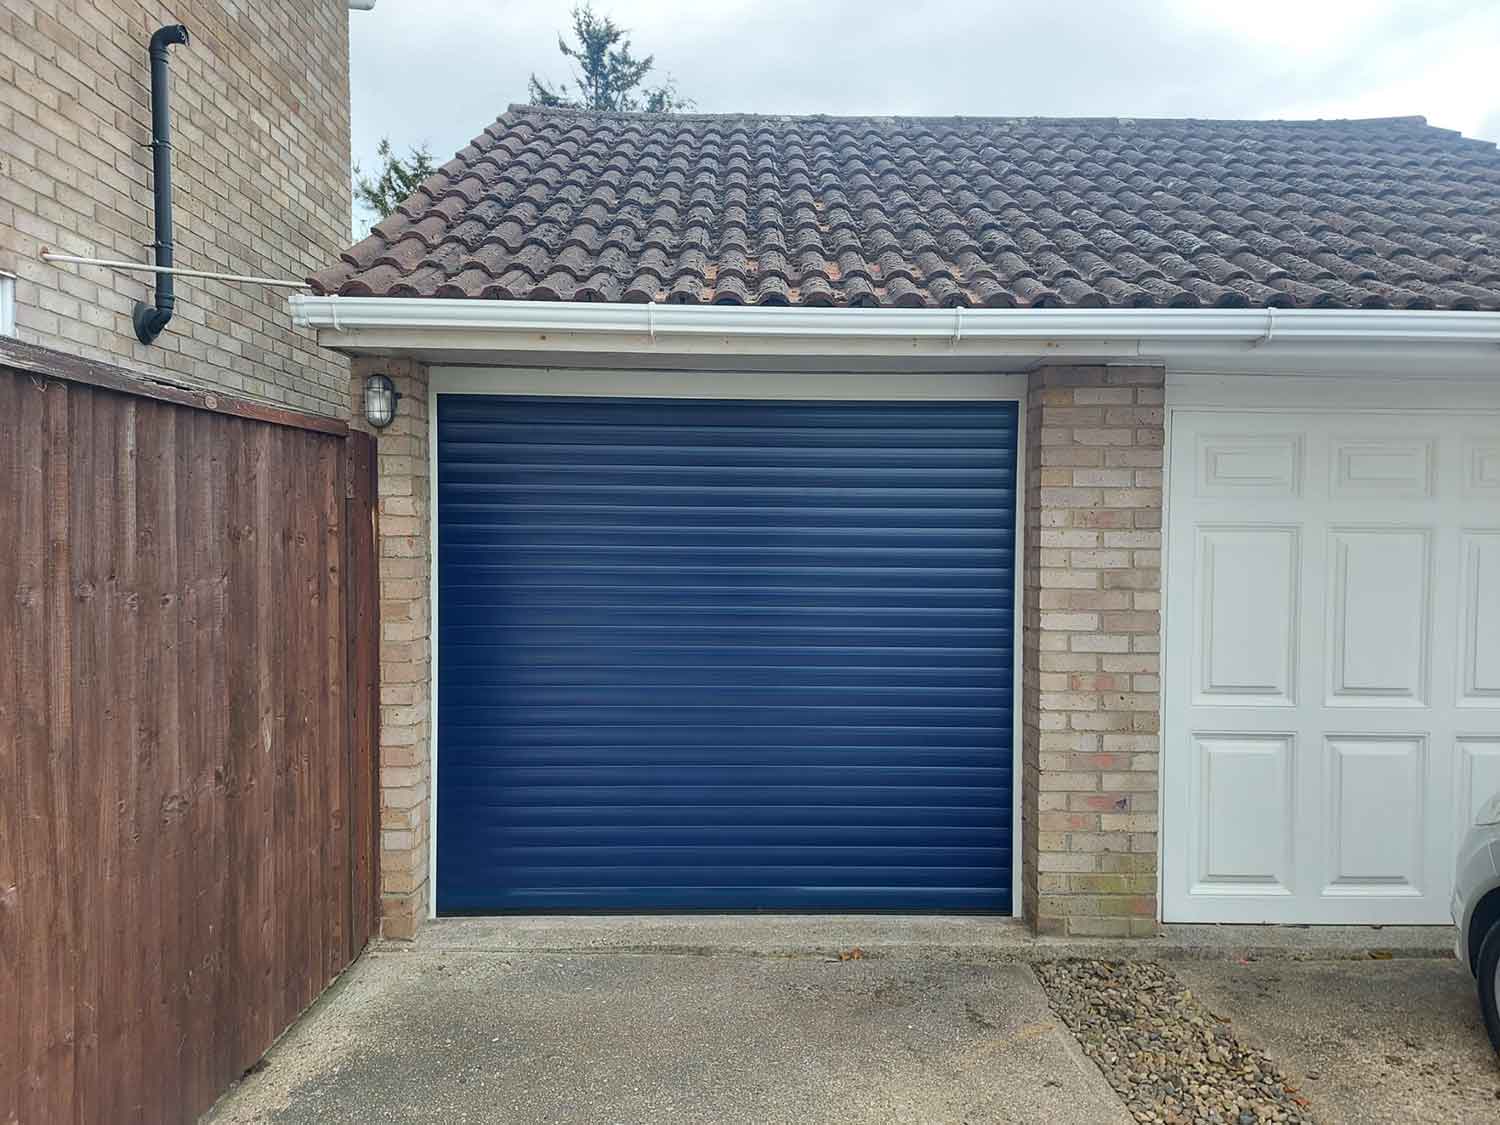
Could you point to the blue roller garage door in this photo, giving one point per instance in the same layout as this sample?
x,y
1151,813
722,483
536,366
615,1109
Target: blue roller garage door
x,y
724,655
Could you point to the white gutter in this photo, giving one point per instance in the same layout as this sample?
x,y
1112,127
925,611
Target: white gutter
x,y
1249,339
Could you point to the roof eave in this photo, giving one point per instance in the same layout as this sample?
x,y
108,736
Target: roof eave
x,y
1271,341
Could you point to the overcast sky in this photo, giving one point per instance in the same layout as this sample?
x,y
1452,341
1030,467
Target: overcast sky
x,y
438,71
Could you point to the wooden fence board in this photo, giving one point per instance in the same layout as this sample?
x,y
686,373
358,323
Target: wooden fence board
x,y
188,722
40,887
60,803
335,845
11,860
91,509
260,1023
239,637
10,768
361,632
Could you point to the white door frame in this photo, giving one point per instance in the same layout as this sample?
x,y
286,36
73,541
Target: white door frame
x,y
1302,394
788,385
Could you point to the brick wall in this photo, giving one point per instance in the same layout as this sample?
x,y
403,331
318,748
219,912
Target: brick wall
x,y
260,176
405,636
1091,649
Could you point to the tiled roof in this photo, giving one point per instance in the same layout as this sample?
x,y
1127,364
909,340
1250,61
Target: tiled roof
x,y
561,205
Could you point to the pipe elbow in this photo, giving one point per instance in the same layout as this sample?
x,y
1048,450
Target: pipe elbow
x,y
171,35
149,321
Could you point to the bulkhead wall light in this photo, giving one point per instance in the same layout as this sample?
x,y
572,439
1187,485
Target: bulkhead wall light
x,y
381,397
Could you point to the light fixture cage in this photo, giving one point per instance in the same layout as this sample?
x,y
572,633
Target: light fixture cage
x,y
381,397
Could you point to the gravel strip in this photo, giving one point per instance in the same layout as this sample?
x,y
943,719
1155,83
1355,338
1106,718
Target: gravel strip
x,y
1168,1057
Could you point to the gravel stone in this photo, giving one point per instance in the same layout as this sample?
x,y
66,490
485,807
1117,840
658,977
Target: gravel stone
x,y
1170,1058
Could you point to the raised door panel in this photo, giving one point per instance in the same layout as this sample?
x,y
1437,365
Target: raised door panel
x,y
1374,830
1246,609
1478,777
1249,466
1378,615
1245,814
1380,468
1482,469
1479,605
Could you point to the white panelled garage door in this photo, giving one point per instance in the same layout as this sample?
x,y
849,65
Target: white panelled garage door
x,y
1332,664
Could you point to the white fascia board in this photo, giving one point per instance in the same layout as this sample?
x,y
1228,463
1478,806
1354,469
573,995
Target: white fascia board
x,y
1261,340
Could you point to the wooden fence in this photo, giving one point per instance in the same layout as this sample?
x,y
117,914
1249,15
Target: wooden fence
x,y
188,700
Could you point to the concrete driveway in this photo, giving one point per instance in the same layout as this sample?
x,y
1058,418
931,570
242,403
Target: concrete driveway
x,y
1368,1042
454,1036
745,1020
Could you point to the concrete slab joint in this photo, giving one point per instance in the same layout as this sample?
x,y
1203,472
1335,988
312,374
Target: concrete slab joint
x,y
1091,642
406,689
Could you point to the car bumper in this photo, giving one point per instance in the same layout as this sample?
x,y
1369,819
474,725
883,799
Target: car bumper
x,y
1474,877
1460,919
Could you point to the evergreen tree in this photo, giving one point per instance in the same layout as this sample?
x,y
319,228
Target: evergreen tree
x,y
605,74
398,178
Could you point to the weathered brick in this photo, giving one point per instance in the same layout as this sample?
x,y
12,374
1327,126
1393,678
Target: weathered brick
x,y
1101,518
1104,478
1099,802
1074,539
1112,884
1134,538
1099,720
1060,578
1062,861
1068,821
1069,782
1084,926
1130,622
1132,498
1126,782
1108,396
1095,642
1091,682
1072,455
1070,622
1092,599
1128,823
1071,497
405,666
1145,664
1104,436
1100,560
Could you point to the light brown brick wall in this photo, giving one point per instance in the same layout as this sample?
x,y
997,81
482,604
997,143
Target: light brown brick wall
x,y
405,638
1091,649
260,102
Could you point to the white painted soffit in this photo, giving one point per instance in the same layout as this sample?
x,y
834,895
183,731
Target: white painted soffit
x,y
1313,341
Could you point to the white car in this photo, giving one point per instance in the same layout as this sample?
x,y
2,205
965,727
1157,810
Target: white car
x,y
1476,911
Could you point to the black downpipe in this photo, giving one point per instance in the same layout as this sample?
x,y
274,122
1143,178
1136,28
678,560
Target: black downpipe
x,y
149,319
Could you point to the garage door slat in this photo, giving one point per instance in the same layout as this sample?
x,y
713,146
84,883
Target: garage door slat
x,y
697,733
724,655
